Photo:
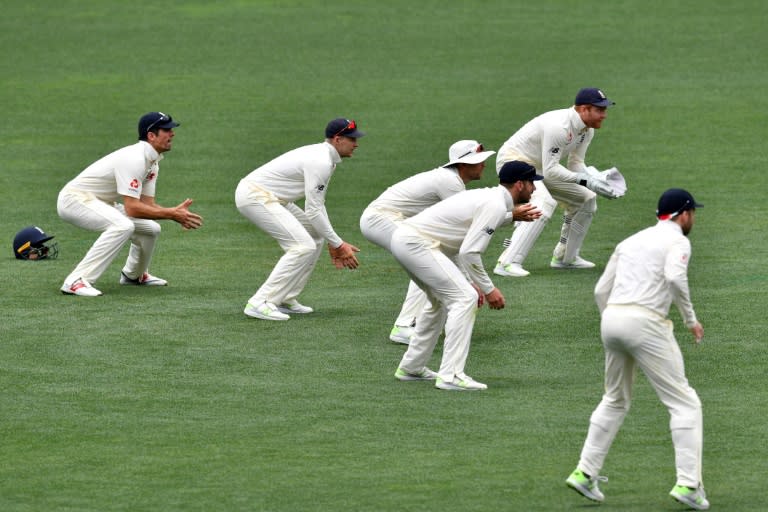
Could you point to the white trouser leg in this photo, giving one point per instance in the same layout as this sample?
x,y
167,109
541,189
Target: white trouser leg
x,y
609,415
415,301
572,234
526,233
578,202
301,250
143,243
301,283
377,226
662,363
445,283
87,212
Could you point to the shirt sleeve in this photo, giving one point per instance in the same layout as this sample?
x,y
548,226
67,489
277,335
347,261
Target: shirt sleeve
x,y
553,144
604,285
317,176
576,158
129,177
472,248
676,274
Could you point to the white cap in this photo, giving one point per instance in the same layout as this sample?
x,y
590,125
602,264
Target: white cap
x,y
467,152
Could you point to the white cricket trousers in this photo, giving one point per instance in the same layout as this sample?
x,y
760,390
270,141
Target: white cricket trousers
x,y
290,227
84,210
377,225
451,305
634,336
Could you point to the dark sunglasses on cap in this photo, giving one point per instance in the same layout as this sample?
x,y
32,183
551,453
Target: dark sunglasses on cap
x,y
479,149
162,119
350,126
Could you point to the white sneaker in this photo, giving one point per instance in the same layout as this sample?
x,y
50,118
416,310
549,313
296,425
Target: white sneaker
x,y
145,280
510,270
424,374
265,311
80,287
693,498
461,382
401,334
579,262
293,306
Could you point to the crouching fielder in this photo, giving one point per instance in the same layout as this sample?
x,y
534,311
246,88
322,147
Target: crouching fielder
x,y
441,249
645,275
267,197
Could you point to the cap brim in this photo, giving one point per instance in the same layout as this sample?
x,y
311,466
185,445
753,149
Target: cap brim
x,y
354,134
472,158
168,126
604,103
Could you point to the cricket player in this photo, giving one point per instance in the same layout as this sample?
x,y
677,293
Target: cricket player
x,y
441,250
466,161
544,142
116,195
267,197
646,274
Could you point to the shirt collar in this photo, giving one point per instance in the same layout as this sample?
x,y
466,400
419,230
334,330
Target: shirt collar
x,y
150,153
671,224
335,158
576,122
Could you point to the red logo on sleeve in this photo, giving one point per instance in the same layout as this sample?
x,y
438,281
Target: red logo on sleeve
x,y
151,176
135,184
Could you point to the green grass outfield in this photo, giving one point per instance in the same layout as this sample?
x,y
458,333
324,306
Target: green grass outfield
x,y
172,400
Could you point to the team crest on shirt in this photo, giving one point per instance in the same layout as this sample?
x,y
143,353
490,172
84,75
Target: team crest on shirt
x,y
555,150
134,184
320,188
489,230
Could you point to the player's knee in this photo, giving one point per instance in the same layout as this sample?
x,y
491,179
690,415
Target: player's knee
x,y
590,205
304,248
155,227
123,228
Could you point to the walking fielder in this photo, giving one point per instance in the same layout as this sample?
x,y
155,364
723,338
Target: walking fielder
x,y
645,275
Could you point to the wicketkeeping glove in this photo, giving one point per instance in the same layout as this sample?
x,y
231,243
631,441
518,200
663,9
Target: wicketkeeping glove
x,y
596,185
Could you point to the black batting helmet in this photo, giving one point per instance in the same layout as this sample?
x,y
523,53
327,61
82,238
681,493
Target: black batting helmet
x,y
31,244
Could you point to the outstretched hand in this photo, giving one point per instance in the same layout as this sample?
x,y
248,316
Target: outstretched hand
x,y
187,219
343,256
525,213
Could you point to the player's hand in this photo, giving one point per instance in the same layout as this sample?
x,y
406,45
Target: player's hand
x,y
596,185
698,332
495,299
525,213
187,219
343,256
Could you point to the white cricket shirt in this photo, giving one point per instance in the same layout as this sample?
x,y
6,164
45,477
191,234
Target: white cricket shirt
x,y
545,140
462,226
302,173
650,269
414,194
130,171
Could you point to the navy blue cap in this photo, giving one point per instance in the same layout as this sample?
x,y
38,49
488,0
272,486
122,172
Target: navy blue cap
x,y
675,201
154,120
517,170
592,96
342,126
